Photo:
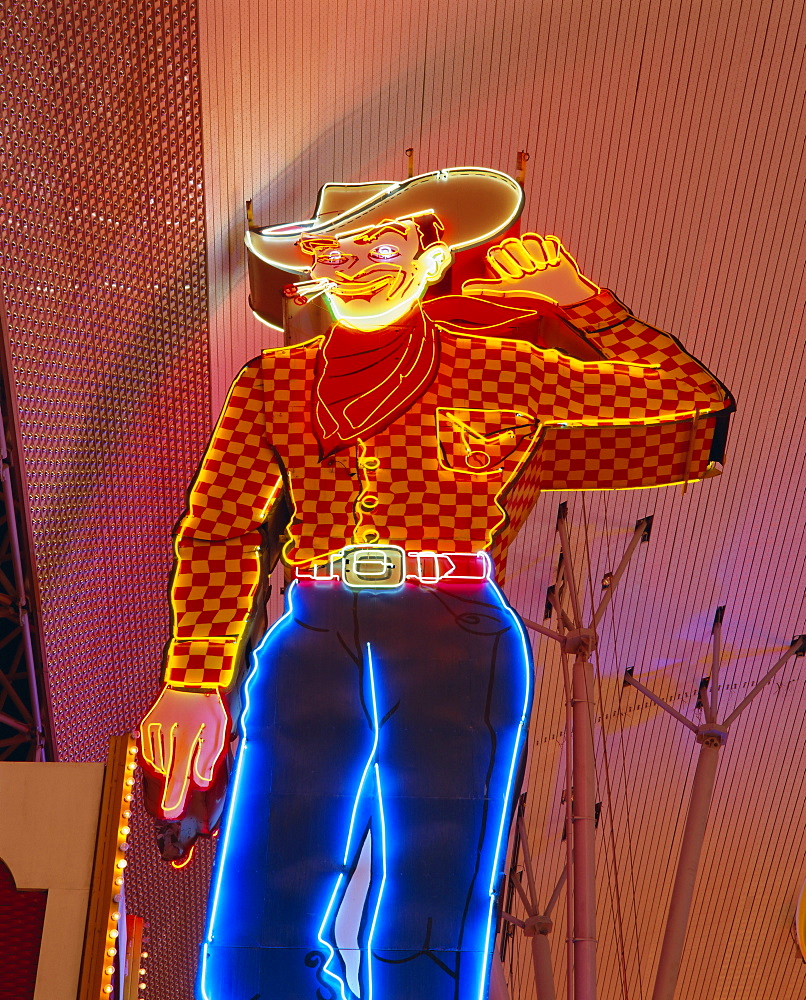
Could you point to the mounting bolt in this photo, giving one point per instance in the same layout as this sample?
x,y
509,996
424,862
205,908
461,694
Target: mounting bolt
x,y
538,924
710,734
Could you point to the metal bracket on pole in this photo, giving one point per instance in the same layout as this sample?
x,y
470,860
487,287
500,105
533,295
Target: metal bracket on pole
x,y
711,736
579,641
537,924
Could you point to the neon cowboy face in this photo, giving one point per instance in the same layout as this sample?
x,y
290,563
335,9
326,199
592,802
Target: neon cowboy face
x,y
378,273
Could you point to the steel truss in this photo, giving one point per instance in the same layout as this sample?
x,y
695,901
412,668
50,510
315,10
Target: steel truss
x,y
24,730
582,810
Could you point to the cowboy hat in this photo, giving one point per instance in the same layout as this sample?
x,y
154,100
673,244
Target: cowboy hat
x,y
472,203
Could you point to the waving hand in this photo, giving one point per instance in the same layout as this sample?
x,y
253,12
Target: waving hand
x,y
538,265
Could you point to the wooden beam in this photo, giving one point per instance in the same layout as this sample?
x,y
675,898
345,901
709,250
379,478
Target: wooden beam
x,y
101,935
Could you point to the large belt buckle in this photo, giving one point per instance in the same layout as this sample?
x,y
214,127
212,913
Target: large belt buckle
x,y
377,566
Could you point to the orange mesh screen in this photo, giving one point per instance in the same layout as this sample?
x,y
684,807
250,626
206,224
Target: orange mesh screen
x,y
102,269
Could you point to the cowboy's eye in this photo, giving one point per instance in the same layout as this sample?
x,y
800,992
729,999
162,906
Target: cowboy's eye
x,y
331,257
384,252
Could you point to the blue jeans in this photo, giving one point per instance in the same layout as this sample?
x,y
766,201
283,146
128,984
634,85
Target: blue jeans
x,y
364,837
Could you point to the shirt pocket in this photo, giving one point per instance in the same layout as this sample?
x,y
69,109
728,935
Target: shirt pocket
x,y
484,442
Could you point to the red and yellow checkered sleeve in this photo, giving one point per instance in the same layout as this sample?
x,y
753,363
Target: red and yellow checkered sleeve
x,y
648,375
650,415
219,545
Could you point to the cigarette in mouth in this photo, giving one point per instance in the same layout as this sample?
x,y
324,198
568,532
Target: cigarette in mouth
x,y
303,291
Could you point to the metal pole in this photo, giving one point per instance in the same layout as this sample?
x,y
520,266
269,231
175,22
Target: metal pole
x,y
711,739
538,925
629,679
541,957
565,545
569,827
580,783
498,982
796,649
634,543
716,653
584,814
542,630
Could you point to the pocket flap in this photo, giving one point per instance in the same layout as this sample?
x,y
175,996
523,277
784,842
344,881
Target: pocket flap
x,y
484,442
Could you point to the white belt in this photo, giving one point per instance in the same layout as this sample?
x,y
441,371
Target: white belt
x,y
386,566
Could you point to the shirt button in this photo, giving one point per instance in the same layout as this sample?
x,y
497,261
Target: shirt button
x,y
369,463
368,536
369,502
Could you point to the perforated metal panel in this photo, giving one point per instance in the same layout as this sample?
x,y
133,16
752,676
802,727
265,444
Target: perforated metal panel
x,y
102,268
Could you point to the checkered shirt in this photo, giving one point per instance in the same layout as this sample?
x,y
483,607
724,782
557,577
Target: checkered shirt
x,y
458,471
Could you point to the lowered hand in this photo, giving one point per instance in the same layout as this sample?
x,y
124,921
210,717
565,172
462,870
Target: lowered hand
x,y
183,740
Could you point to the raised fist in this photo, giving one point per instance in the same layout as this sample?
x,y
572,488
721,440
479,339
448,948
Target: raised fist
x,y
538,265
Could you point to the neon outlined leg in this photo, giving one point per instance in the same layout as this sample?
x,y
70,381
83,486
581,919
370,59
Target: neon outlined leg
x,y
218,887
371,767
503,825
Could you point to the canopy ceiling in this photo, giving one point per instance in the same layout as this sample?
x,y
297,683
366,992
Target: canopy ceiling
x,y
666,150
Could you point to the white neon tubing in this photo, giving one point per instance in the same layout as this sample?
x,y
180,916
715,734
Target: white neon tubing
x,y
372,764
383,826
371,760
383,877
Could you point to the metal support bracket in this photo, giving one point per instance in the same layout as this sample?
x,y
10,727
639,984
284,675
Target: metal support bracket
x,y
711,734
582,810
578,640
537,924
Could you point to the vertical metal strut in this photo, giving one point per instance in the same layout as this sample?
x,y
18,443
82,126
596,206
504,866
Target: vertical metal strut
x,y
580,641
711,737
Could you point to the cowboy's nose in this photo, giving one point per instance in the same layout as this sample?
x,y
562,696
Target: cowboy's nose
x,y
343,271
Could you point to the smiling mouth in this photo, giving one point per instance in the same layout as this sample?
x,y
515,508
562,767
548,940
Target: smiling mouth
x,y
362,288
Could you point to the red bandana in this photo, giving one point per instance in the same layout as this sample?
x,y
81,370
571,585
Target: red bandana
x,y
365,380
